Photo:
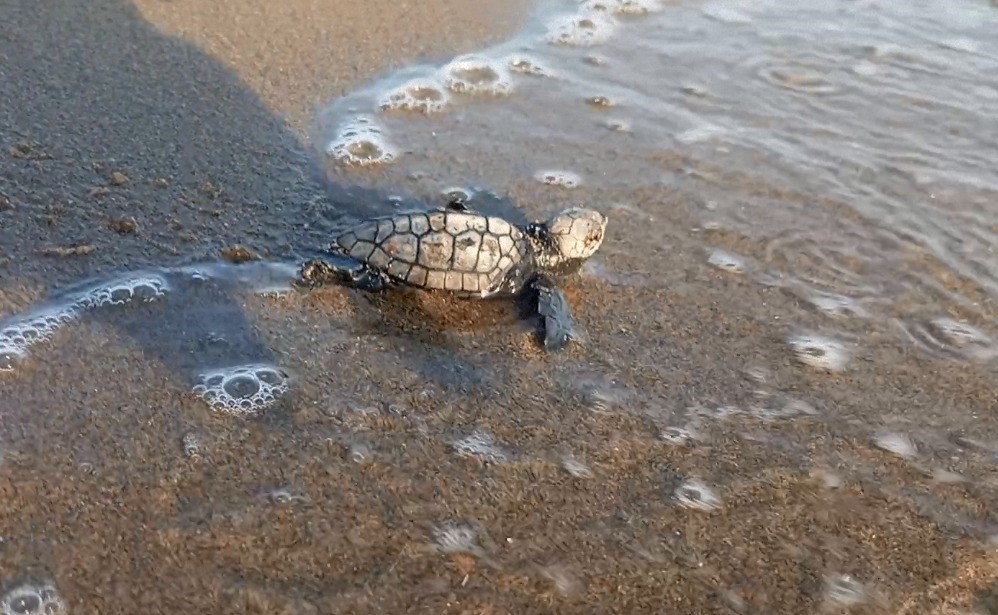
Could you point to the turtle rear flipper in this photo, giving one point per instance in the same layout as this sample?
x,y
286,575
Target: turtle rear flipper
x,y
553,306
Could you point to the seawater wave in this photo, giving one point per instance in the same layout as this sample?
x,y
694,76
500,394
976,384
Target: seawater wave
x,y
855,140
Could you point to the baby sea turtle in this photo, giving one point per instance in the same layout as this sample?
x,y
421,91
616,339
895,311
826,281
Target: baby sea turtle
x,y
473,255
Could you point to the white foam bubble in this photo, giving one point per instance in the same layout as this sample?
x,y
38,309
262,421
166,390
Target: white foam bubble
x,y
564,179
697,495
726,261
420,95
142,289
480,444
33,599
820,352
896,443
587,27
527,65
18,335
477,75
192,445
361,142
244,389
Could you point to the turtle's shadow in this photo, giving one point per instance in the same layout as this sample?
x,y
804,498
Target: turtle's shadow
x,y
426,318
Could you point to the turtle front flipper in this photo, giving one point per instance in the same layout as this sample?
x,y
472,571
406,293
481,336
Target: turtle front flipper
x,y
553,306
338,269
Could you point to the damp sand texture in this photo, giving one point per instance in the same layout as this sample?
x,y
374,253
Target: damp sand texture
x,y
785,400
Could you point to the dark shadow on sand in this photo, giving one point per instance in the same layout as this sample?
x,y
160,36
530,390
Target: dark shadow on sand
x,y
104,118
90,90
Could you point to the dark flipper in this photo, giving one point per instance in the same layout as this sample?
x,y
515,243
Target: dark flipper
x,y
337,269
559,326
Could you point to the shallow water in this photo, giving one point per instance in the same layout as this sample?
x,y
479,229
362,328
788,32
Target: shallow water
x,y
786,399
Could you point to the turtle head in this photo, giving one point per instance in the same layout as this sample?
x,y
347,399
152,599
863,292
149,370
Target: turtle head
x,y
569,237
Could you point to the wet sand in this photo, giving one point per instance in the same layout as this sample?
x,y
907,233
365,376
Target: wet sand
x,y
131,495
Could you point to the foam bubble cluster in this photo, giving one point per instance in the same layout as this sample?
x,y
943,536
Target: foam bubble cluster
x,y
420,95
33,599
697,495
142,289
18,335
477,75
244,389
480,444
587,27
565,179
361,142
192,445
527,65
820,352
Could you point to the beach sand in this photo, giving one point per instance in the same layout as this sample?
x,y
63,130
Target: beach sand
x,y
132,496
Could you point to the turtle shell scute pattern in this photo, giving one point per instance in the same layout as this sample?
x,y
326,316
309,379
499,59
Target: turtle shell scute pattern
x,y
438,250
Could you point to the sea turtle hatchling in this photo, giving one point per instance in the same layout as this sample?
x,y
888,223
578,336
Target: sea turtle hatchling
x,y
470,254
